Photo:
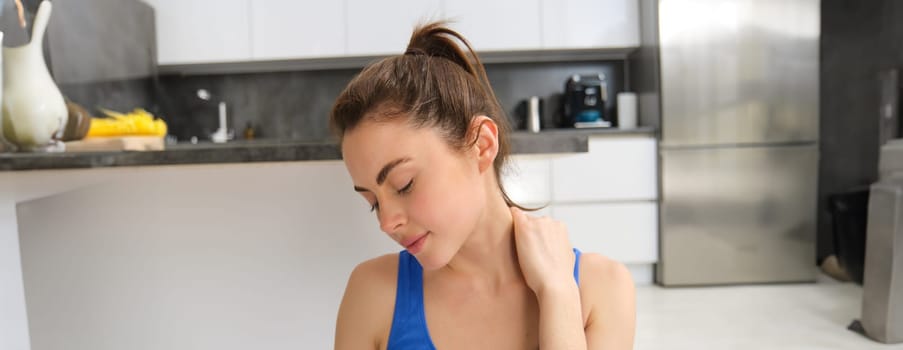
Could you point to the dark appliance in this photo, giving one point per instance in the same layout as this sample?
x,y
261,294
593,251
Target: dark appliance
x,y
585,97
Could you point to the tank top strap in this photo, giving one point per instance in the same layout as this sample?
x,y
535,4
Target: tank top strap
x,y
577,265
409,329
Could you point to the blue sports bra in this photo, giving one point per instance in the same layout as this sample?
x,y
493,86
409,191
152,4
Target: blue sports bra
x,y
409,329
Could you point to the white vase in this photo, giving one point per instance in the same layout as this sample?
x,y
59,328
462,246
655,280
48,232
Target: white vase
x,y
34,112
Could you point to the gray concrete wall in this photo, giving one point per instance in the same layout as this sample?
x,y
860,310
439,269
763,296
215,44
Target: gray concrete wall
x,y
859,40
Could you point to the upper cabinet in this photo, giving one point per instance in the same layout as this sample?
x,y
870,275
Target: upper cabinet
x,y
497,25
287,29
384,27
572,24
202,31
211,31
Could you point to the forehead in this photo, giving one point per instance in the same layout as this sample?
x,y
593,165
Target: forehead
x,y
370,145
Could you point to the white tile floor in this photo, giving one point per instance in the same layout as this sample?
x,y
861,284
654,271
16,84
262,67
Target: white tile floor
x,y
787,316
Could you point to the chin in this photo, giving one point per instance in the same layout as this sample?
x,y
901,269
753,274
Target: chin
x,y
432,260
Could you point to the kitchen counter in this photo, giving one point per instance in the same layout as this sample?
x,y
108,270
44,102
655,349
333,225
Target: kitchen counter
x,y
551,141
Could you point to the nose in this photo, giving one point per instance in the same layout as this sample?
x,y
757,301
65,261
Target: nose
x,y
391,217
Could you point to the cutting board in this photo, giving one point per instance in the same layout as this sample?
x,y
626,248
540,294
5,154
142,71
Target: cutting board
x,y
119,143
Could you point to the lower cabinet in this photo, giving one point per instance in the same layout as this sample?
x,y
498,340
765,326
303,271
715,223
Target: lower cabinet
x,y
607,197
624,231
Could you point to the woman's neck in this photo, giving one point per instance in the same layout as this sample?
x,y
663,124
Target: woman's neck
x,y
488,258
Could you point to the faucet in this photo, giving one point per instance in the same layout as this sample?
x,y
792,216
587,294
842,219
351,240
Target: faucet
x,y
222,134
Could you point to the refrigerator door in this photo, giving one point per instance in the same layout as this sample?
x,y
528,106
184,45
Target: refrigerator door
x,y
738,215
738,71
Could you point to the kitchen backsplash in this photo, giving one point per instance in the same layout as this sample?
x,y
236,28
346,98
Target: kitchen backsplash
x,y
278,105
117,95
295,105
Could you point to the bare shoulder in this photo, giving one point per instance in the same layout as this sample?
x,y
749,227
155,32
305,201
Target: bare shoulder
x,y
608,295
365,315
379,271
605,271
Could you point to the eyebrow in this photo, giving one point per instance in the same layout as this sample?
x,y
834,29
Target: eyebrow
x,y
384,172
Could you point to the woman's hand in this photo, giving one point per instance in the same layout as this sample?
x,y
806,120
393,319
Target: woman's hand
x,y
544,253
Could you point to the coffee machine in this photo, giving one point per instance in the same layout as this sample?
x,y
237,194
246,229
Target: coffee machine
x,y
585,98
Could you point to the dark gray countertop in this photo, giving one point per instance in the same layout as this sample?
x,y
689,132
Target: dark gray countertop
x,y
552,141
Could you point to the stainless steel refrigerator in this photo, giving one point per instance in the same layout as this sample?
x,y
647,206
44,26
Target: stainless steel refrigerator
x,y
739,140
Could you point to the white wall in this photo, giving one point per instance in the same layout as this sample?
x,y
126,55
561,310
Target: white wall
x,y
13,320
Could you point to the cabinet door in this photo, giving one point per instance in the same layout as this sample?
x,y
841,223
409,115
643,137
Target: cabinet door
x,y
201,31
624,231
497,25
284,29
385,27
527,180
615,168
590,23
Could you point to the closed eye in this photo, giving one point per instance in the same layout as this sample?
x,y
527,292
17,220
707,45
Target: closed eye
x,y
404,190
407,188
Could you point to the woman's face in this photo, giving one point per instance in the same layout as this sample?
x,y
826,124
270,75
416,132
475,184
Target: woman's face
x,y
426,196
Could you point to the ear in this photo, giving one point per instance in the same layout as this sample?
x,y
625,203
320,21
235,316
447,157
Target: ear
x,y
486,145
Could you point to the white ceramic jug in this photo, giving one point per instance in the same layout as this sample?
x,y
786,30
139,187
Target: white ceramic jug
x,y
34,112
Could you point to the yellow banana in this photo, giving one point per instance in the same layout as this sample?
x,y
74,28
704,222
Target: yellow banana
x,y
136,122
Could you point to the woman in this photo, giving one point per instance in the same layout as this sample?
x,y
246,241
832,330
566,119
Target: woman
x,y
424,140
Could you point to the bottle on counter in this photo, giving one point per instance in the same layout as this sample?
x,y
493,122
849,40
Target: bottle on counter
x,y
249,132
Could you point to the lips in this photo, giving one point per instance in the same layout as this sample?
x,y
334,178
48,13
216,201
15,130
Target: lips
x,y
410,241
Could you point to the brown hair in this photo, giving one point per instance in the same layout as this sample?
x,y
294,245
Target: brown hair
x,y
435,84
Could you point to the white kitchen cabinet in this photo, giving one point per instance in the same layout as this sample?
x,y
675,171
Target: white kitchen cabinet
x,y
607,197
385,27
201,31
528,180
570,24
286,29
614,169
624,231
211,31
497,25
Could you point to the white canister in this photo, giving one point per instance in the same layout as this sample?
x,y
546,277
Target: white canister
x,y
627,110
534,108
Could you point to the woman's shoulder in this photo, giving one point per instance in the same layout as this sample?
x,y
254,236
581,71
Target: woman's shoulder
x,y
604,270
379,271
375,281
603,279
368,304
608,295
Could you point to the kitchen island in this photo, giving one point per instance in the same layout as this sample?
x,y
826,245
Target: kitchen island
x,y
250,244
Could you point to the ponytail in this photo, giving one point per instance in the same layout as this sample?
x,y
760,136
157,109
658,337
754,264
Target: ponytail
x,y
438,41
